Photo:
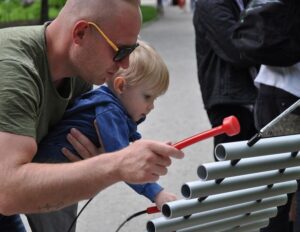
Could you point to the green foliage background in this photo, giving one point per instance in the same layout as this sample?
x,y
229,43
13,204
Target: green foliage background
x,y
14,10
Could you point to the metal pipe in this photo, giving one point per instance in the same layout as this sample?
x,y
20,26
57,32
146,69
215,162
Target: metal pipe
x,y
265,130
163,224
196,189
187,207
216,170
232,222
249,227
266,146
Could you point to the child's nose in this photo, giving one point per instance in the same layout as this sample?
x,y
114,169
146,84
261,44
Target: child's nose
x,y
151,106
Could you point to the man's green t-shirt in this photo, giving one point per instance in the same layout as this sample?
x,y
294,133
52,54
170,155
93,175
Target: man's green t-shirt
x,y
29,103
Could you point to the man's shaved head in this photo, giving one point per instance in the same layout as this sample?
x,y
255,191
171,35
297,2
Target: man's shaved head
x,y
96,10
70,37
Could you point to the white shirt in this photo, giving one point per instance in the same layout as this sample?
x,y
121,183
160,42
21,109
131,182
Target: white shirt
x,y
240,4
286,78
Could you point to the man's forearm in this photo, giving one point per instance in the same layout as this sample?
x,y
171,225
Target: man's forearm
x,y
48,187
32,187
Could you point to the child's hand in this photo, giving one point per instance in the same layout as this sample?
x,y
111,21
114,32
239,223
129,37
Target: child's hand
x,y
164,197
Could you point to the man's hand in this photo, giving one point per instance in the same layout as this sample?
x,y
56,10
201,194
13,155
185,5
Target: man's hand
x,y
144,161
84,147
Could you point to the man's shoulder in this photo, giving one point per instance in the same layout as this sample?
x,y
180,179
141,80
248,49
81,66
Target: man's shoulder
x,y
20,42
13,34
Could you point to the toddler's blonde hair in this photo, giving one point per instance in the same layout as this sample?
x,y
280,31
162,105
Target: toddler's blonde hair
x,y
146,66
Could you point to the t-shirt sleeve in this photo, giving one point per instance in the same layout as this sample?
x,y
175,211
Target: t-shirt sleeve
x,y
19,99
113,130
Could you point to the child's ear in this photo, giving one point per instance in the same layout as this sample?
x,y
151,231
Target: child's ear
x,y
119,84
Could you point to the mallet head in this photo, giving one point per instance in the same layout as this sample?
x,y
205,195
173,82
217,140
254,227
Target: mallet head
x,y
231,126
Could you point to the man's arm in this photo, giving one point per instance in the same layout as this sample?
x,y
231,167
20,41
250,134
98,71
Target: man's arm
x,y
32,187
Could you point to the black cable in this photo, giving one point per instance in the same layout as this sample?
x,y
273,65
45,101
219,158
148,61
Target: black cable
x,y
122,224
129,218
75,219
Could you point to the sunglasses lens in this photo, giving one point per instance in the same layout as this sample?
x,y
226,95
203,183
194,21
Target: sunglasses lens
x,y
124,52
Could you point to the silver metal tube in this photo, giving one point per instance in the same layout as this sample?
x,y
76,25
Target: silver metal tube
x,y
249,227
196,189
163,224
232,222
264,131
217,170
188,207
266,146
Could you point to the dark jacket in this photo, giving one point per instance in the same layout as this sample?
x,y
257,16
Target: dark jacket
x,y
269,32
224,77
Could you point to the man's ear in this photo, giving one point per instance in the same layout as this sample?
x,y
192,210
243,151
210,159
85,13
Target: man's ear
x,y
79,31
119,84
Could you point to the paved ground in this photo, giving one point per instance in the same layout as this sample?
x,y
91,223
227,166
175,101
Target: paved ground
x,y
177,115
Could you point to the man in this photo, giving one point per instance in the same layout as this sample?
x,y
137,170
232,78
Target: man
x,y
42,69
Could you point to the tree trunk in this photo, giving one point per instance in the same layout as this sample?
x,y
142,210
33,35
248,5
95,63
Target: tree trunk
x,y
44,11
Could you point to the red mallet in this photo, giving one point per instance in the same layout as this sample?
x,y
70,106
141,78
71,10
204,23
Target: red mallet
x,y
230,126
152,209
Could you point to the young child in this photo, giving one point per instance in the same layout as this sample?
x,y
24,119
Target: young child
x,y
116,110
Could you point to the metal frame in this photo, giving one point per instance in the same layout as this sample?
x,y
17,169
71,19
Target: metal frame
x,y
239,193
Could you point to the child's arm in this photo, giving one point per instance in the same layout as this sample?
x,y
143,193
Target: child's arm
x,y
154,192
